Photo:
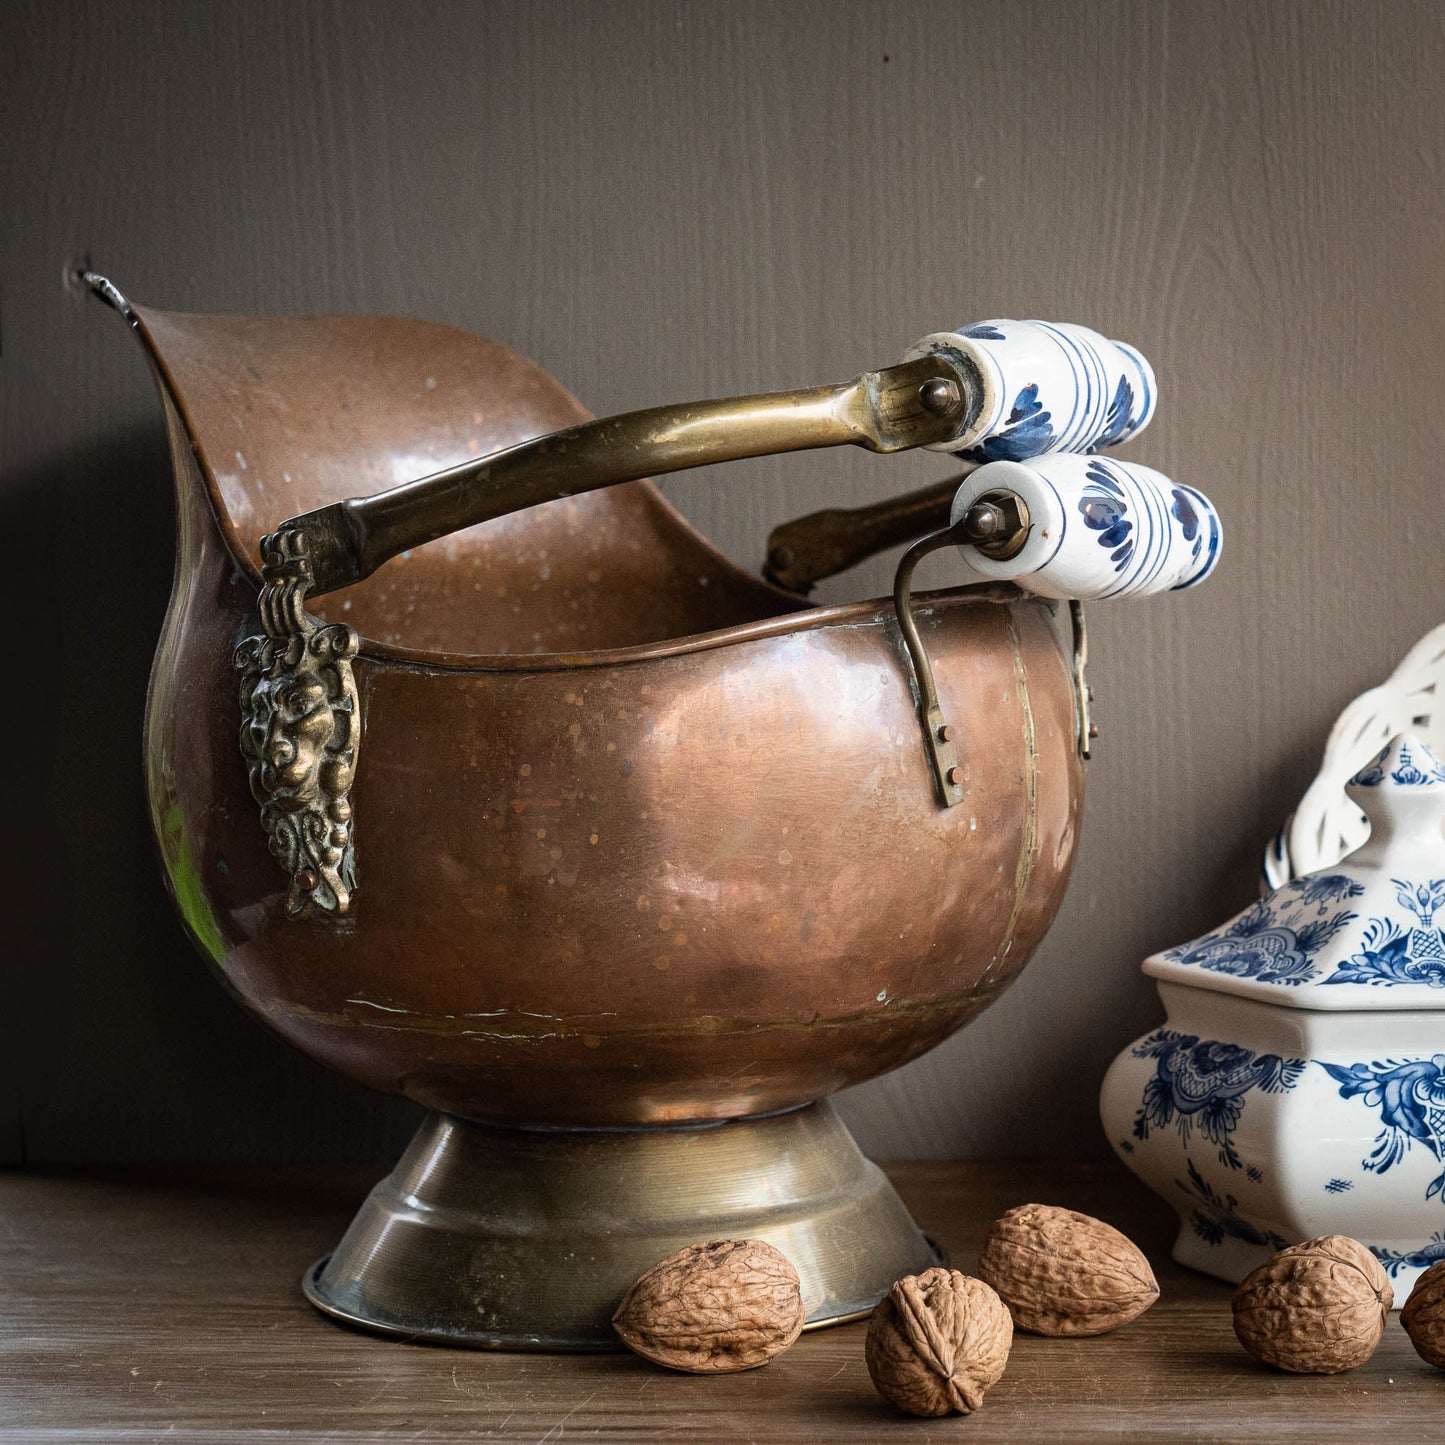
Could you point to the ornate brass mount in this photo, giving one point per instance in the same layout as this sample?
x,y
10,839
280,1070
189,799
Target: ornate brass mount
x,y
300,731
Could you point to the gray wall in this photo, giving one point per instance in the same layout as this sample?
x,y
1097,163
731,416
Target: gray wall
x,y
660,201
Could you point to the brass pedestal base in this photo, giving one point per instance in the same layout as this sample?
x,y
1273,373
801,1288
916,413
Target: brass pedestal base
x,y
526,1239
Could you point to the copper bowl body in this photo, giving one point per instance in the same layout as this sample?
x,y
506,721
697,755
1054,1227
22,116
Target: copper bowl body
x,y
640,839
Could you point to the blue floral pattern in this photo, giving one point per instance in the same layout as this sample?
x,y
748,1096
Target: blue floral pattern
x,y
1409,775
1103,508
1410,1097
983,331
1407,771
1199,525
1276,940
1392,954
1187,515
1120,416
1214,1218
1325,888
1204,1082
1422,1258
1027,432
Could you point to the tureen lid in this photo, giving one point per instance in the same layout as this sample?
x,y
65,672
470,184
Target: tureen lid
x,y
1362,934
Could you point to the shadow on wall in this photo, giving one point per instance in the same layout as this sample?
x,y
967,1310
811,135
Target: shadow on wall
x,y
116,1030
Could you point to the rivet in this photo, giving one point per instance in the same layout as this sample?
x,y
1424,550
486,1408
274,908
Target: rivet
x,y
954,775
1093,730
945,733
306,880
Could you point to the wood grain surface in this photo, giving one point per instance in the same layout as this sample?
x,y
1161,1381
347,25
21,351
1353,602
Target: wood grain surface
x,y
664,200
147,1304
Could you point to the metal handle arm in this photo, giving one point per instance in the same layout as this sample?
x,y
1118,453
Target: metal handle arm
x,y
801,553
926,400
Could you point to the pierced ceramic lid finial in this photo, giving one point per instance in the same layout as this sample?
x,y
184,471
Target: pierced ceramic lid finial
x,y
1401,790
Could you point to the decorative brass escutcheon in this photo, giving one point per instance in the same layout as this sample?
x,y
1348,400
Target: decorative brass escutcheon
x,y
300,732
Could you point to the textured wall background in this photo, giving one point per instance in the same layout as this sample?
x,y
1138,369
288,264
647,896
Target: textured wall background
x,y
660,201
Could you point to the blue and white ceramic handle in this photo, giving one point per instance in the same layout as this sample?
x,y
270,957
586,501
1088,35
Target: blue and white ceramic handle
x,y
1097,528
1046,387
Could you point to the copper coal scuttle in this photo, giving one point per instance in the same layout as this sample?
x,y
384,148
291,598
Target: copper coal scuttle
x,y
616,857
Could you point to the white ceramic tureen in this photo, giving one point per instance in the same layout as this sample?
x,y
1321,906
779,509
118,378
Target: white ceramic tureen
x,y
1297,1087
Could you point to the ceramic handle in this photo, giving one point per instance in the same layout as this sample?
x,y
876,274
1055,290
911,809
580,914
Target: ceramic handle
x,y
1046,387
1096,527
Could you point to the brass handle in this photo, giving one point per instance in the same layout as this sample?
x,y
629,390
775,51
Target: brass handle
x,y
918,402
801,553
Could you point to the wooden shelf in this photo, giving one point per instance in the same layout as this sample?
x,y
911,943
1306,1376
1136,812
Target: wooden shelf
x,y
141,1303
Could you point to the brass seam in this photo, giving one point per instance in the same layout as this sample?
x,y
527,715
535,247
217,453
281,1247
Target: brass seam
x,y
1024,870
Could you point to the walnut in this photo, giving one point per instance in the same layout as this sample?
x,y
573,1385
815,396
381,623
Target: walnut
x,y
1062,1273
937,1341
714,1308
1316,1308
1424,1316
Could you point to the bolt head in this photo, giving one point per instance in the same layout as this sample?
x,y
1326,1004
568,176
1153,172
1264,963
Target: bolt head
x,y
983,521
939,396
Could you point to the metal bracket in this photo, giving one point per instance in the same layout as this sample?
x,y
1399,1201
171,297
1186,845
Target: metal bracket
x,y
939,735
996,525
107,291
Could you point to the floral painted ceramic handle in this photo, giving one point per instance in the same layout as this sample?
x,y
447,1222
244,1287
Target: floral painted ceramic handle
x,y
1047,386
1033,389
1079,526
1093,527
